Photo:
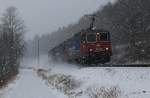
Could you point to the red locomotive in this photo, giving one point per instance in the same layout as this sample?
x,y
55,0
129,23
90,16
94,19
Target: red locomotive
x,y
95,46
89,46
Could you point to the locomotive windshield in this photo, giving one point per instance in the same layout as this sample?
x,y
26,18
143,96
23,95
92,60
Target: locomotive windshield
x,y
103,37
91,38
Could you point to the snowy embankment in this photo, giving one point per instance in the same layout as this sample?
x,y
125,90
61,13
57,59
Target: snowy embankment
x,y
102,82
28,85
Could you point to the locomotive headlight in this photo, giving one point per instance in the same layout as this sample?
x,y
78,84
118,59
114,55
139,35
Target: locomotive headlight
x,y
107,48
91,49
98,33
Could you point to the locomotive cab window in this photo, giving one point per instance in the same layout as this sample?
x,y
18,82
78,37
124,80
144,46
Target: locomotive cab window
x,y
91,38
103,37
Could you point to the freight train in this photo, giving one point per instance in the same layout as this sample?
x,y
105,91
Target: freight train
x,y
90,46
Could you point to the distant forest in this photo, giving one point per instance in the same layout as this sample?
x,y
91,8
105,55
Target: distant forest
x,y
128,21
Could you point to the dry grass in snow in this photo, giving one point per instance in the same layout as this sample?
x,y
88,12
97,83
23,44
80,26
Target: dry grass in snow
x,y
103,92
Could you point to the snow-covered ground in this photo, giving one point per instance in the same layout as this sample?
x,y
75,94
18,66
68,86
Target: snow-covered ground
x,y
29,85
66,80
131,82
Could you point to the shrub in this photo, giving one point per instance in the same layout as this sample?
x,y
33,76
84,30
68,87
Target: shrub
x,y
103,92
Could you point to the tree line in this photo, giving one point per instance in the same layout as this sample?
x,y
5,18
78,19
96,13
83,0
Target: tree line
x,y
12,45
128,22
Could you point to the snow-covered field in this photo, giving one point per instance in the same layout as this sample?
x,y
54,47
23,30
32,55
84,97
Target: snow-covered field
x,y
70,81
130,82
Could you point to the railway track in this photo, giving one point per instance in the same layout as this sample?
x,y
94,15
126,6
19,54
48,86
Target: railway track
x,y
120,65
115,65
100,65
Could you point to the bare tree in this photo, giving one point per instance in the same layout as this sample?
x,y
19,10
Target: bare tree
x,y
12,41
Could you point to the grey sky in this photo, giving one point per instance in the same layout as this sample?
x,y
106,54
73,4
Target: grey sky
x,y
45,16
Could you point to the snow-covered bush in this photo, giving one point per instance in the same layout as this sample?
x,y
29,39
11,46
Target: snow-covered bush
x,y
42,73
103,92
65,83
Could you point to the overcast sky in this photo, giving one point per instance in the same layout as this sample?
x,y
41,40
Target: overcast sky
x,y
45,16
